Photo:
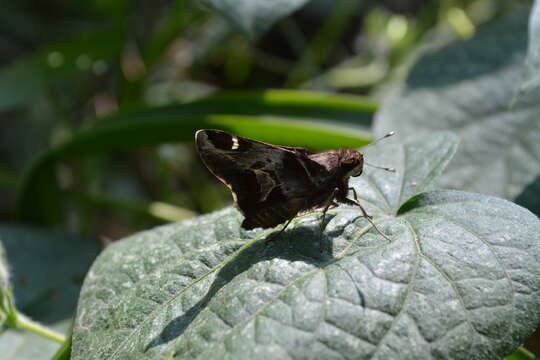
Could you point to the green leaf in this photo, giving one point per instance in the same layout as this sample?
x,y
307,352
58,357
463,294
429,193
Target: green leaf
x,y
419,160
46,273
270,117
254,17
459,278
532,72
48,295
467,88
352,110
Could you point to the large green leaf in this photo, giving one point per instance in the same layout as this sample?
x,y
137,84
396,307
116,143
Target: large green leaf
x,y
467,88
459,278
353,110
532,72
274,116
46,274
254,17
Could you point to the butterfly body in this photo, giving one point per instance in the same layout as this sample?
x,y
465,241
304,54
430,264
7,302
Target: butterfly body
x,y
271,183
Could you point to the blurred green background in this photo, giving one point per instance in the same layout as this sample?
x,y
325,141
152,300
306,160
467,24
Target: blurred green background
x,y
99,100
67,67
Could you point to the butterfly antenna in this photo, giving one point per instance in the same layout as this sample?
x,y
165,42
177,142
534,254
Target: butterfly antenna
x,y
379,139
390,169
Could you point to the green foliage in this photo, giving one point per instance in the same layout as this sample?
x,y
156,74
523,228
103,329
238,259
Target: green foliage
x,y
69,60
280,119
99,102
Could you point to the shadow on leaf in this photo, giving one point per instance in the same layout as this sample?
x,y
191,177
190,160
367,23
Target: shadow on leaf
x,y
302,248
530,197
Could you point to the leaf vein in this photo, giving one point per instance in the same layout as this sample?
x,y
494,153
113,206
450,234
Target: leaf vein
x,y
493,252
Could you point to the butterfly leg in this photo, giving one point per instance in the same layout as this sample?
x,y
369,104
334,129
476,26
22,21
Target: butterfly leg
x,y
321,226
365,214
354,193
275,235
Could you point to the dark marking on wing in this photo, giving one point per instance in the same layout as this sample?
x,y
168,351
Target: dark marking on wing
x,y
258,165
251,182
220,140
243,144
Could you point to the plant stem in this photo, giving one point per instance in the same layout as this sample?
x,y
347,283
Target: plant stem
x,y
24,322
521,354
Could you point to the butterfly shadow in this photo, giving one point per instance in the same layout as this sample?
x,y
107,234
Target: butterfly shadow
x,y
294,244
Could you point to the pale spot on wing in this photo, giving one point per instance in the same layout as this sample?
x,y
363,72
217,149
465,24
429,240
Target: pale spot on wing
x,y
235,197
235,143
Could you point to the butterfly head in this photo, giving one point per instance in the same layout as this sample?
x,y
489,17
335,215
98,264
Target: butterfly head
x,y
351,162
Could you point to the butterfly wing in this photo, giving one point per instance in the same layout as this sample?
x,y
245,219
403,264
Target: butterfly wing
x,y
270,184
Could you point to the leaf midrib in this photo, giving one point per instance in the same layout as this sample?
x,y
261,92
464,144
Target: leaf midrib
x,y
185,288
491,250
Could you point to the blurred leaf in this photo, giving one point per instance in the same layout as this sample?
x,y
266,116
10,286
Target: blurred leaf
x,y
51,295
467,88
180,14
532,72
446,286
4,272
327,37
8,313
47,272
521,354
254,17
352,110
7,179
161,211
32,76
38,193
